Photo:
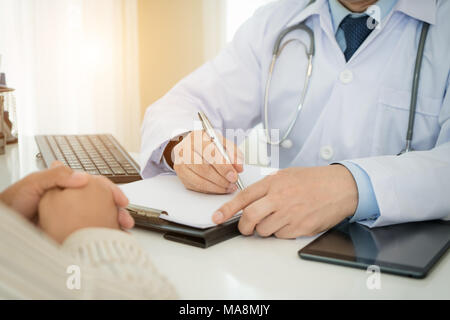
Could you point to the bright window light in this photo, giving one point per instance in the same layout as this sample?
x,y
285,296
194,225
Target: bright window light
x,y
238,11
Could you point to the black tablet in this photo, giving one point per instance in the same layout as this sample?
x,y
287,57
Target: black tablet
x,y
407,249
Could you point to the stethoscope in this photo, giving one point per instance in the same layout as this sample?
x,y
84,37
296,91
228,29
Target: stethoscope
x,y
285,142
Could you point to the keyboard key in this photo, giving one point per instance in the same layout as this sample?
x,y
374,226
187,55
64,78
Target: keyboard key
x,y
106,172
117,154
93,172
118,171
94,154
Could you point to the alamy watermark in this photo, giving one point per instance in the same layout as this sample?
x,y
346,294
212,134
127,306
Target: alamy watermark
x,y
373,281
374,20
198,148
73,281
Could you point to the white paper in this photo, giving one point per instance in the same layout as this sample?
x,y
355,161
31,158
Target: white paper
x,y
166,192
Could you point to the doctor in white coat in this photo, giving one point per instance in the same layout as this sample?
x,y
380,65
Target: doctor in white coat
x,y
341,159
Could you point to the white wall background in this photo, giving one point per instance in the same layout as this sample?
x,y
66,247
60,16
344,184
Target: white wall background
x,y
74,66
238,11
74,62
222,19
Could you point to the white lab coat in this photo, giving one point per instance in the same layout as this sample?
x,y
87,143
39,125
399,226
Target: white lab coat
x,y
354,111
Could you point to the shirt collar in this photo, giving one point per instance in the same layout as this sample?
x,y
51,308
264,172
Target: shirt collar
x,y
315,8
339,12
423,10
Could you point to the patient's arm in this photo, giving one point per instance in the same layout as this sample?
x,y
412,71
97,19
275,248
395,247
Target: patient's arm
x,y
111,263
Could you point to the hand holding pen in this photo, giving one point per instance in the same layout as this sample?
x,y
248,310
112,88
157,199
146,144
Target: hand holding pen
x,y
204,165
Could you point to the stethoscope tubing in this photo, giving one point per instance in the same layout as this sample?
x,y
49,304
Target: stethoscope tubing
x,y
415,88
300,105
278,48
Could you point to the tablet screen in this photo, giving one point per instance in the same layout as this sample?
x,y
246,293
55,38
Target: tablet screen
x,y
412,246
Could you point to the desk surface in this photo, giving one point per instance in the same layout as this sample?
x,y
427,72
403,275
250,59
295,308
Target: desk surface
x,y
251,267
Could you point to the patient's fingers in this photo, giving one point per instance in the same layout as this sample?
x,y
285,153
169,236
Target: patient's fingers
x,y
119,197
125,219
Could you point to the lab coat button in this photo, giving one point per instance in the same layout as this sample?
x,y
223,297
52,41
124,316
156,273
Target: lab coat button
x,y
327,153
346,76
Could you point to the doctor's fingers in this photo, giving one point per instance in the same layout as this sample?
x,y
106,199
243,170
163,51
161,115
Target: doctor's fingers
x,y
272,224
254,214
212,156
194,182
208,172
235,154
195,162
210,152
241,201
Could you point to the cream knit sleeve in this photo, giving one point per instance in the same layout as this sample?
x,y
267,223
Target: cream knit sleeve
x,y
109,264
117,259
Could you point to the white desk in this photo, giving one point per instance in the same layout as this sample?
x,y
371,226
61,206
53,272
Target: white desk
x,y
252,268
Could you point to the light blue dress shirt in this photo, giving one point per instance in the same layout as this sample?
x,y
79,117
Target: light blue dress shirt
x,y
367,203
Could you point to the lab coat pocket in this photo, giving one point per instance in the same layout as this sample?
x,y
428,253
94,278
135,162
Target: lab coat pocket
x,y
392,122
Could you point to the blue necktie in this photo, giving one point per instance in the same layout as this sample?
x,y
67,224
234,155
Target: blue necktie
x,y
355,31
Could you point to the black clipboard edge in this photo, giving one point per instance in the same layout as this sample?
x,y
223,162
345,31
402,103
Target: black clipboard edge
x,y
201,238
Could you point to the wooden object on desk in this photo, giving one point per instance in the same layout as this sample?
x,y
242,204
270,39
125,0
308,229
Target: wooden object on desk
x,y
4,89
3,129
2,134
6,126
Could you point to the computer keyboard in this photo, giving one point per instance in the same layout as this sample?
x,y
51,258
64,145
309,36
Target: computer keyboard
x,y
95,154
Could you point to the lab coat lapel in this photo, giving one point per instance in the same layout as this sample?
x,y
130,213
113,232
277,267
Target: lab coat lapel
x,y
319,8
423,10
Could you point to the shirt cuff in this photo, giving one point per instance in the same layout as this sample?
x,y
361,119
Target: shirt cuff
x,y
367,203
157,163
164,162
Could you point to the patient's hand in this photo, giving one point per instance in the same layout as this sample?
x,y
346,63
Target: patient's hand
x,y
62,212
25,195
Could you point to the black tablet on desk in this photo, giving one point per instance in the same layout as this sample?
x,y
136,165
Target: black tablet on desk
x,y
410,249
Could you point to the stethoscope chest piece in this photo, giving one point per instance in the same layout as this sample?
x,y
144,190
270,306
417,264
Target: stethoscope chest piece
x,y
287,144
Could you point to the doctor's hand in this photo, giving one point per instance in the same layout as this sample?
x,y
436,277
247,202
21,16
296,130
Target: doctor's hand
x,y
294,202
201,167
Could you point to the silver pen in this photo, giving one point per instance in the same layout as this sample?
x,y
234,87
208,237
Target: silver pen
x,y
207,126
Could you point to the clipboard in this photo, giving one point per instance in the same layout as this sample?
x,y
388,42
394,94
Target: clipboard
x,y
193,228
148,218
